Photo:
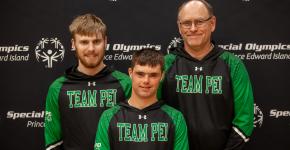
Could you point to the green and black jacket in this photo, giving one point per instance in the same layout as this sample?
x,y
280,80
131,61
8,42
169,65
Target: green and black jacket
x,y
75,103
215,96
156,127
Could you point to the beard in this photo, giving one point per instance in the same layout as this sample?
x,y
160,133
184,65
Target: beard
x,y
88,63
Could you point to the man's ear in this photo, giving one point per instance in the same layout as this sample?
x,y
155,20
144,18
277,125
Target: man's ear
x,y
73,44
213,23
106,41
130,71
162,76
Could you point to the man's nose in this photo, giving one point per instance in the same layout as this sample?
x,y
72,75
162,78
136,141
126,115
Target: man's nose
x,y
192,27
91,46
146,79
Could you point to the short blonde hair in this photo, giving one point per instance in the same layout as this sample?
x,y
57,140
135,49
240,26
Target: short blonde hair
x,y
87,24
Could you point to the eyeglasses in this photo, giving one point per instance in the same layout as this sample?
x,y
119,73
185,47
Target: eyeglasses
x,y
197,23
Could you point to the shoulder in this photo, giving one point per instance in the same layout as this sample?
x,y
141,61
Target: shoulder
x,y
123,79
57,83
119,75
169,59
235,64
111,111
175,115
230,58
172,112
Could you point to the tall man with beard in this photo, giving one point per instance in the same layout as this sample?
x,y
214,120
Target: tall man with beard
x,y
210,86
76,100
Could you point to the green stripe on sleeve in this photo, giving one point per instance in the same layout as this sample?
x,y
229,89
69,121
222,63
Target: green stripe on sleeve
x,y
242,92
102,141
168,61
52,130
180,135
125,82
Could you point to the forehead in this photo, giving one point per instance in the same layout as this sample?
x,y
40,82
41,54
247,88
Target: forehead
x,y
193,10
93,36
147,69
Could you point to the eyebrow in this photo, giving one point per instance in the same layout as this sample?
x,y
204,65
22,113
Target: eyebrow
x,y
198,18
142,72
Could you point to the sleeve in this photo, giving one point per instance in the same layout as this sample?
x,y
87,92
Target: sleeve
x,y
181,138
125,82
169,59
52,130
244,108
102,137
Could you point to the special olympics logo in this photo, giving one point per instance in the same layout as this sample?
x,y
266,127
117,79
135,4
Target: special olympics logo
x,y
174,43
258,116
49,50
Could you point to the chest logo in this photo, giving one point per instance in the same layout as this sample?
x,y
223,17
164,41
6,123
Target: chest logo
x,y
142,117
147,132
92,98
199,84
92,83
197,68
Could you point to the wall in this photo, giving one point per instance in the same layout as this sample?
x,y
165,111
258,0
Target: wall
x,y
256,31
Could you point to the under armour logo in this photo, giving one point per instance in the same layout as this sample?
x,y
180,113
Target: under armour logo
x,y
144,117
91,83
198,68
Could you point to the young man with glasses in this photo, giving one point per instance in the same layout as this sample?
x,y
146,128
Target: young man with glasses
x,y
210,86
143,122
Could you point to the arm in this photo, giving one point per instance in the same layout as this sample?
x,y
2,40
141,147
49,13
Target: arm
x,y
244,108
168,61
102,137
181,138
52,130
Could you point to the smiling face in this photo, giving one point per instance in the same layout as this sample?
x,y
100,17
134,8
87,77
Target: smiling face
x,y
145,81
90,50
198,35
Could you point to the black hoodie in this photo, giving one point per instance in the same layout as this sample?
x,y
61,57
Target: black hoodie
x,y
215,96
75,103
156,127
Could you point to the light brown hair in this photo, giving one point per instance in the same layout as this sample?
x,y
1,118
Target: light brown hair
x,y
87,24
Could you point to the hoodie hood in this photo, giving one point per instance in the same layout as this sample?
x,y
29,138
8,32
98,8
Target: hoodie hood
x,y
73,73
178,49
154,106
